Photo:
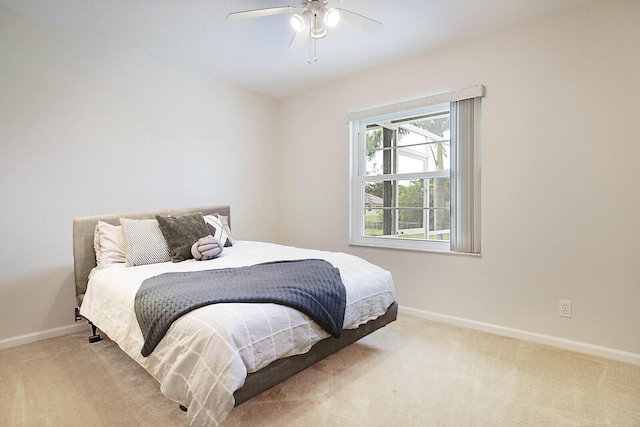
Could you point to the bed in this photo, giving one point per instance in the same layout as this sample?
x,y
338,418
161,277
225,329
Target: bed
x,y
220,355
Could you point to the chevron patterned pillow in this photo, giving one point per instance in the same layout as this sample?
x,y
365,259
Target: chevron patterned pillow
x,y
217,230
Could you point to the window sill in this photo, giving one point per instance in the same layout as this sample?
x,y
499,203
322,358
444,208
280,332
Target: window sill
x,y
408,245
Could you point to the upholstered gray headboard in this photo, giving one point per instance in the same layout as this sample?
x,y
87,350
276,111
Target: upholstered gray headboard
x,y
84,256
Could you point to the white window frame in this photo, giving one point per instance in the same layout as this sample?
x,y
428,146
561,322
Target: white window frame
x,y
358,122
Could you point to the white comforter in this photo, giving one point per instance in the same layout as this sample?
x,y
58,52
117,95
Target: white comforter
x,y
206,354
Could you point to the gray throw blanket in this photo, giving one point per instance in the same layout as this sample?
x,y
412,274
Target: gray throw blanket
x,y
312,286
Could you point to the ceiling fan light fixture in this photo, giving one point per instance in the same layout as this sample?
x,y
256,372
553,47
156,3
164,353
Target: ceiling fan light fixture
x,y
332,17
297,22
317,30
310,21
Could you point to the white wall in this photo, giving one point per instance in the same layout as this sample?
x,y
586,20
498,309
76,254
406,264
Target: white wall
x,y
560,174
93,129
86,130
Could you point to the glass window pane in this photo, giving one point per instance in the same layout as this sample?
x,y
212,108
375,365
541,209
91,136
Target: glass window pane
x,y
434,127
374,162
407,208
412,145
438,192
373,219
429,157
407,223
407,193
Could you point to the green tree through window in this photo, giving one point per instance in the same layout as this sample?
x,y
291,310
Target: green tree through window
x,y
403,207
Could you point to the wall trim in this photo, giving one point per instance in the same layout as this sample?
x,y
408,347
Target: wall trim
x,y
476,91
43,335
565,344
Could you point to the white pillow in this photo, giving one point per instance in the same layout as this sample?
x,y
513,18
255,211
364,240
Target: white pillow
x,y
108,244
217,230
143,242
96,245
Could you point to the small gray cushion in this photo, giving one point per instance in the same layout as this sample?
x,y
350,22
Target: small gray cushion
x,y
206,248
180,232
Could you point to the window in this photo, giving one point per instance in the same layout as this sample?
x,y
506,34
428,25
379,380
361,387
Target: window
x,y
415,180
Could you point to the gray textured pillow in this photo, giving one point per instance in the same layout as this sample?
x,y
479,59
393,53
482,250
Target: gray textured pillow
x,y
143,242
181,232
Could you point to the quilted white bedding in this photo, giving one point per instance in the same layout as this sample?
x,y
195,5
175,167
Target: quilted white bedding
x,y
206,355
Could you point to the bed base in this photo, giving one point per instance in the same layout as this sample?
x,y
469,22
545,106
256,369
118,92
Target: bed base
x,y
281,369
95,337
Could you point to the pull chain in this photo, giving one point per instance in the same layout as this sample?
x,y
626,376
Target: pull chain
x,y
313,55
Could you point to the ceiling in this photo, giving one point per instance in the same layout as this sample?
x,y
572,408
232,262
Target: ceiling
x,y
254,53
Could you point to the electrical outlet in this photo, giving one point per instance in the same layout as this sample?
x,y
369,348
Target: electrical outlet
x,y
565,308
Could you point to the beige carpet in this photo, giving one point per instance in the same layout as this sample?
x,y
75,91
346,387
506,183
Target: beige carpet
x,y
412,373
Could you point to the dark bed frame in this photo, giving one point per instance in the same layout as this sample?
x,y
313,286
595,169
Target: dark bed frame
x,y
84,260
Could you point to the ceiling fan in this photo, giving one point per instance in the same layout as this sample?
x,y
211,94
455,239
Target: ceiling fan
x,y
311,19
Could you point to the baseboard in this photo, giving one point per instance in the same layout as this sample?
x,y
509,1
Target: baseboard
x,y
577,346
43,335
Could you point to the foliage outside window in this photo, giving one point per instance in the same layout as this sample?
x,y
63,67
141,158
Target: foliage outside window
x,y
413,208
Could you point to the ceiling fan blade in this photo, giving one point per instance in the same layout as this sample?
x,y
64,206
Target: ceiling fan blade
x,y
259,13
298,39
359,21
